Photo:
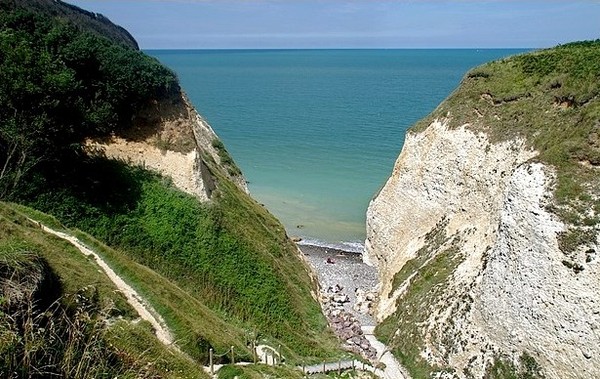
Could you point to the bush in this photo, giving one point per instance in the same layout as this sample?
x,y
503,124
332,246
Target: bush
x,y
59,85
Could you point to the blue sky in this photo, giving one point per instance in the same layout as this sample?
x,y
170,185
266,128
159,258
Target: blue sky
x,y
226,24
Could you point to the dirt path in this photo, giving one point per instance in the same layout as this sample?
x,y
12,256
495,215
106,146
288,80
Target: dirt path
x,y
393,369
144,309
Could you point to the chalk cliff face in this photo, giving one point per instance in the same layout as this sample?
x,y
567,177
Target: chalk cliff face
x,y
475,279
171,138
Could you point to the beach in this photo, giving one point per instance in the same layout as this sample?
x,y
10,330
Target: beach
x,y
346,270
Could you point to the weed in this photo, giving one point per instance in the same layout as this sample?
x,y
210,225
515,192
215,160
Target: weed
x,y
525,368
225,158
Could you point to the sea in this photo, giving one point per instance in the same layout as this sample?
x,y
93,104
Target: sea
x,y
316,132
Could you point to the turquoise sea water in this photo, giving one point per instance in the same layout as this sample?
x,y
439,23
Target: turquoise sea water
x,y
316,132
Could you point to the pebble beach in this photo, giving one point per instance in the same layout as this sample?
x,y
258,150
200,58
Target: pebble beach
x,y
347,292
344,269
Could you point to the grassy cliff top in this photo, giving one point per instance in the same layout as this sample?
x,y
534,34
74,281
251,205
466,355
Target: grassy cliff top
x,y
551,98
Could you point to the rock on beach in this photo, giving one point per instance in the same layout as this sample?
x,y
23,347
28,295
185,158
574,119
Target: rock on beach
x,y
348,291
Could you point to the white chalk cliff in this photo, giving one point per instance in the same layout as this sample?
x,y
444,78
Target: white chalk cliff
x,y
172,139
503,289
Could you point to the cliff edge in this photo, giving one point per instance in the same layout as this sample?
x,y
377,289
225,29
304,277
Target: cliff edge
x,y
170,137
486,233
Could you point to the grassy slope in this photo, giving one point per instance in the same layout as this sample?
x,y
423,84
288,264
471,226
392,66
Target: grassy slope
x,y
551,98
122,349
230,255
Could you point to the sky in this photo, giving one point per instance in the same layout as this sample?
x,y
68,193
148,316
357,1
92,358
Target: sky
x,y
273,24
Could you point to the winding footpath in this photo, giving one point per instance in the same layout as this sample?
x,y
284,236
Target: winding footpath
x,y
145,310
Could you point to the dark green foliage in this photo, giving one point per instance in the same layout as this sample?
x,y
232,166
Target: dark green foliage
x,y
59,85
90,21
231,372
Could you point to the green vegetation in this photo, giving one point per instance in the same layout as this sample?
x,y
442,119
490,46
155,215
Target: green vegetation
x,y
90,21
139,344
552,98
24,241
433,240
258,372
195,326
263,371
59,85
402,331
54,304
225,158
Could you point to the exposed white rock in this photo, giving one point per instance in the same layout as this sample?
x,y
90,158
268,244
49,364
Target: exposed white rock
x,y
441,173
528,300
364,300
204,136
163,122
184,169
511,292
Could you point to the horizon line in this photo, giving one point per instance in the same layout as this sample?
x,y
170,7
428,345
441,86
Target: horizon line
x,y
339,48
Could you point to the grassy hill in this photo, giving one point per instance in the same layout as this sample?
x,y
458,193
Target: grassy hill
x,y
220,273
54,302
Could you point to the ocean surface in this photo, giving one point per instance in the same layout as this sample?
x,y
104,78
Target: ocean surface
x,y
316,132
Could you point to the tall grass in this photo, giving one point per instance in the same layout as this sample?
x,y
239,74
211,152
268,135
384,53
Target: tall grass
x,y
230,254
64,339
61,316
